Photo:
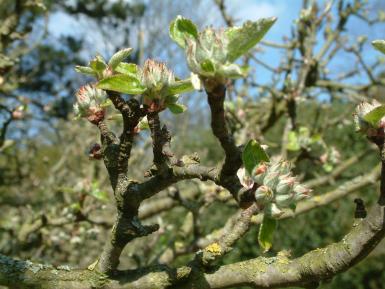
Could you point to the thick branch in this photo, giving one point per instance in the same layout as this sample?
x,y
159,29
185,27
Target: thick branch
x,y
131,113
317,265
216,97
160,138
230,235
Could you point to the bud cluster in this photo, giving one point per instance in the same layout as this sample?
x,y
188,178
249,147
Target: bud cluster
x,y
156,78
210,46
278,187
207,55
89,103
364,124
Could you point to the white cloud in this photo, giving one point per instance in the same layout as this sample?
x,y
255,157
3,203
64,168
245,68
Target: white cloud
x,y
254,9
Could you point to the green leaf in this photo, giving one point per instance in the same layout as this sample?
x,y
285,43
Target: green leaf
x,y
176,108
181,86
127,68
252,155
379,45
171,98
375,115
97,193
233,71
98,65
85,70
208,66
122,83
182,29
292,142
242,39
118,57
266,233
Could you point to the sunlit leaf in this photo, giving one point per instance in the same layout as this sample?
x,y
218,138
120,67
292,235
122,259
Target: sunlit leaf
x,y
375,115
292,142
233,71
242,39
379,45
208,66
181,86
176,108
118,57
252,155
98,65
122,83
266,233
130,69
181,29
85,70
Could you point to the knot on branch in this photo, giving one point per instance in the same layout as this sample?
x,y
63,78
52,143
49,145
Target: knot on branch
x,y
128,229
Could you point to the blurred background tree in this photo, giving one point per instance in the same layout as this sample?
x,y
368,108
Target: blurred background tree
x,y
56,204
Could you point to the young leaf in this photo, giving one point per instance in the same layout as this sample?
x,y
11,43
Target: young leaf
x,y
130,69
85,70
171,98
379,45
122,83
181,29
208,66
242,39
118,57
233,71
375,115
98,65
252,155
293,142
266,233
181,86
176,108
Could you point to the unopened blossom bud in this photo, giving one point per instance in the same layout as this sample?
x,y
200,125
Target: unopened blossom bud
x,y
285,184
284,200
279,187
156,77
259,173
263,194
300,192
271,179
88,103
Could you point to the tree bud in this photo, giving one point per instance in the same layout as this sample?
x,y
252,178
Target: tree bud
x,y
88,104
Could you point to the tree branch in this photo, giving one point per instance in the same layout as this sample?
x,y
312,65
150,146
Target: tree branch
x,y
216,97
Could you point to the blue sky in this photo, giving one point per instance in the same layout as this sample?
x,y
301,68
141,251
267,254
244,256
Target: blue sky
x,y
285,10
